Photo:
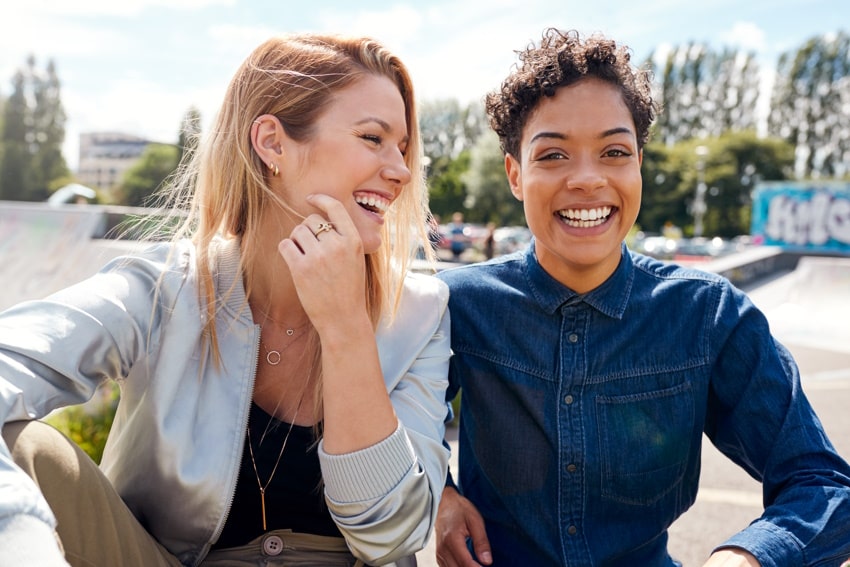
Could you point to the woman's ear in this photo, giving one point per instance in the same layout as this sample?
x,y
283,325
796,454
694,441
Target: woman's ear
x,y
514,172
266,134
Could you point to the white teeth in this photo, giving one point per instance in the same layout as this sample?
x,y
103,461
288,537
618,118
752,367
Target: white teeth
x,y
373,201
585,218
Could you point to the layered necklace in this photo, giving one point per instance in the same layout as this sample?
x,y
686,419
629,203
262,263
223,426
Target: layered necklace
x,y
274,356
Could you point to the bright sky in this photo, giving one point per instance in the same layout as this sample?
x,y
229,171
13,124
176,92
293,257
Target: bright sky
x,y
136,66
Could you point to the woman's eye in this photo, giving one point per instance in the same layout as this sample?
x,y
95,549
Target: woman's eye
x,y
373,139
617,153
552,156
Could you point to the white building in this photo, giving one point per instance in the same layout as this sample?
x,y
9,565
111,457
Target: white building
x,y
105,156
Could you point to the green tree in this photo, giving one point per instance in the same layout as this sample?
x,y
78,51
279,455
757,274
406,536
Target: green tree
x,y
489,197
32,136
809,105
15,167
448,132
446,189
50,170
664,192
448,129
141,182
732,165
704,93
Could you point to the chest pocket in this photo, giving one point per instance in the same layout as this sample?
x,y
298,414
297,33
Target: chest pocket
x,y
645,440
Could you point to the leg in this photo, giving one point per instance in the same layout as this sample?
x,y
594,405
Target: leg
x,y
94,525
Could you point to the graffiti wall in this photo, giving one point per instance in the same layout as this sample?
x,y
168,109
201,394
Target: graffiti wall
x,y
803,216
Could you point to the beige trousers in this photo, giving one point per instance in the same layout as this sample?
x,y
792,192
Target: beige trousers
x,y
97,529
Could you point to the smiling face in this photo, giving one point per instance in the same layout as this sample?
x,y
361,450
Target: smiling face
x,y
578,176
355,154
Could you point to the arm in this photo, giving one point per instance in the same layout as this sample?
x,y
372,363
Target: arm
x,y
382,459
384,498
54,353
760,418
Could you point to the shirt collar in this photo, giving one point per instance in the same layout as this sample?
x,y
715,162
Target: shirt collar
x,y
609,298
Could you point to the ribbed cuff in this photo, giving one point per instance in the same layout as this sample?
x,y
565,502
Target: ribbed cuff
x,y
369,473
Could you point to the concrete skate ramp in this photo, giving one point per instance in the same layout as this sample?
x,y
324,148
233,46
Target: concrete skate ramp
x,y
809,311
44,248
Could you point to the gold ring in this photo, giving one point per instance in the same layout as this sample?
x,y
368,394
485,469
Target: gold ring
x,y
323,227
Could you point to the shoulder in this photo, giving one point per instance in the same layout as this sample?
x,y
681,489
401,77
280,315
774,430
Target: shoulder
x,y
670,271
424,290
156,258
421,309
669,281
499,272
167,268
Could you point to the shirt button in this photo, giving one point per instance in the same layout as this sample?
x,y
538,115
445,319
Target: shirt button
x,y
571,468
572,530
568,399
272,545
573,338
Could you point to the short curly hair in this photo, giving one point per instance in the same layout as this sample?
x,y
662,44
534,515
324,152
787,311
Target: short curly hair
x,y
564,58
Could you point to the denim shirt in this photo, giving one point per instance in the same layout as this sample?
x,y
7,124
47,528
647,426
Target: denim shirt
x,y
582,415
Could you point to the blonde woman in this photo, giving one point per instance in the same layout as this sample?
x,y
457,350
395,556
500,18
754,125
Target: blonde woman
x,y
282,371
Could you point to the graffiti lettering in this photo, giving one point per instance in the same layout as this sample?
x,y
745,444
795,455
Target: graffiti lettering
x,y
809,222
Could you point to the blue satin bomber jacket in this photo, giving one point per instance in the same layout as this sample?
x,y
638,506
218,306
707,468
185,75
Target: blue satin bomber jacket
x,y
582,415
175,446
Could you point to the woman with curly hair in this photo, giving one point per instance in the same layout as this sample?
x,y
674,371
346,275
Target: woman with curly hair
x,y
587,391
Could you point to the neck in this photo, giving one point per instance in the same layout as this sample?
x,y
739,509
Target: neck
x,y
271,291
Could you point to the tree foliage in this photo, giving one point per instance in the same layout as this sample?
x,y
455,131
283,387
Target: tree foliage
x,y
141,182
705,93
32,135
448,129
448,132
732,165
488,196
446,189
810,105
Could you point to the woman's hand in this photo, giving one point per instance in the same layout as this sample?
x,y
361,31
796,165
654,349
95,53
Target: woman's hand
x,y
328,266
732,558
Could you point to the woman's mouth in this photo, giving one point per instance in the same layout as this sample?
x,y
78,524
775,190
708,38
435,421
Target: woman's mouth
x,y
585,218
372,202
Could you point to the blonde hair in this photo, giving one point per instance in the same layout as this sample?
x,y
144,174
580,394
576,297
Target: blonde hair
x,y
223,185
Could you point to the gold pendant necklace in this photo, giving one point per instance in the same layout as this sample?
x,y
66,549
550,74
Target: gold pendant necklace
x,y
260,484
274,356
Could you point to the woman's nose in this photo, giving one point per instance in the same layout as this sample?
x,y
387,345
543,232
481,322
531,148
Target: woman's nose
x,y
396,170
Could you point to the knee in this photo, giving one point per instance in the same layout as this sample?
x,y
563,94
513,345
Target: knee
x,y
36,444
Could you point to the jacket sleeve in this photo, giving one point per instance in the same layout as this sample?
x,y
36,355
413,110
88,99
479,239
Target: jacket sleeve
x,y
760,417
385,498
55,352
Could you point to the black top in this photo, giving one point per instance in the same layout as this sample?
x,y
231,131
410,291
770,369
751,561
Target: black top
x,y
294,498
